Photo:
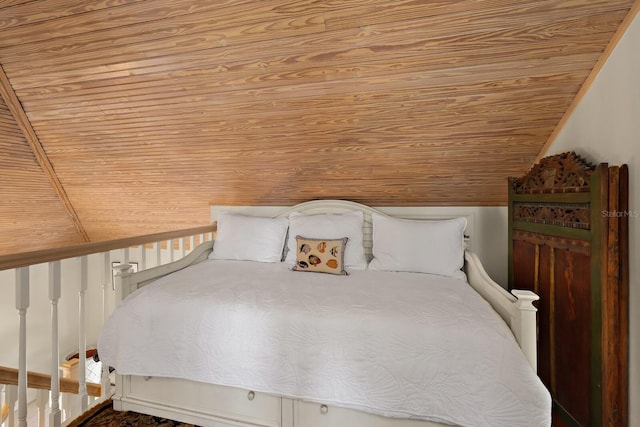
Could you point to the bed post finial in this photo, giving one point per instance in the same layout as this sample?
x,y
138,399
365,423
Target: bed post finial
x,y
525,332
121,288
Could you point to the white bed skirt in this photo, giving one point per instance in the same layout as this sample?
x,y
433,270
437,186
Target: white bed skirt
x,y
220,406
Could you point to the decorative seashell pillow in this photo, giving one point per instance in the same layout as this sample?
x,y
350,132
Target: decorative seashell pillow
x,y
320,255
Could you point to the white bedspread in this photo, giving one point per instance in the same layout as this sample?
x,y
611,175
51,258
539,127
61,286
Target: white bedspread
x,y
396,344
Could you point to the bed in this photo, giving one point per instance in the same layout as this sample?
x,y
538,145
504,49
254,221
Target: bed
x,y
230,342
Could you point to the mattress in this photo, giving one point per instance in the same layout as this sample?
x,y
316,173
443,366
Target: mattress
x,y
396,344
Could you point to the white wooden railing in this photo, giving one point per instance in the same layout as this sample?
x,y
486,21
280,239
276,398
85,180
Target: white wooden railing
x,y
63,398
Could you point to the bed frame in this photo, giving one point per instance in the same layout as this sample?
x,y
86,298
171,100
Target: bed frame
x,y
568,238
220,406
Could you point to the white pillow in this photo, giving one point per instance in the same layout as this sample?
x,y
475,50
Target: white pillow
x,y
422,246
330,226
249,238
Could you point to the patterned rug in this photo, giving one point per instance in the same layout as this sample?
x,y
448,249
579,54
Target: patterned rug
x,y
103,415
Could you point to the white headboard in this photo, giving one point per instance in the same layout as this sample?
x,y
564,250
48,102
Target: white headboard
x,y
343,206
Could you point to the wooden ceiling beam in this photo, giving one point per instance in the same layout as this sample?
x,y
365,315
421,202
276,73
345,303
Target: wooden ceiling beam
x,y
14,105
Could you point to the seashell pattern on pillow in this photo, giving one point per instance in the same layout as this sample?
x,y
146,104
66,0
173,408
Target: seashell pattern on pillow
x,y
320,255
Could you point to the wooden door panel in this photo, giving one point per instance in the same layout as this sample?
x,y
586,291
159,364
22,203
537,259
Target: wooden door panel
x,y
524,260
571,327
544,308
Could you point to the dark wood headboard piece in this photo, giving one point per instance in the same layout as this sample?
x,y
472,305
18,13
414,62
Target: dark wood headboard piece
x,y
575,245
575,215
568,242
562,173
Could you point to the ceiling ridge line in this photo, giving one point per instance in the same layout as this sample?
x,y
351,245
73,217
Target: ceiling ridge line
x,y
15,107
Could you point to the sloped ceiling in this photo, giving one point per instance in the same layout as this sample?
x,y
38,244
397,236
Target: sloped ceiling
x,y
149,111
31,213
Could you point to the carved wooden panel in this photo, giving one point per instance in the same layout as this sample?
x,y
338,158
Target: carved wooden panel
x,y
565,248
562,173
576,215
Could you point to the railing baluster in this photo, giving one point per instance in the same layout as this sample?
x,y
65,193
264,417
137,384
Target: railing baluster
x,y
42,400
143,257
70,406
83,397
15,396
55,417
11,395
22,304
4,405
3,402
107,279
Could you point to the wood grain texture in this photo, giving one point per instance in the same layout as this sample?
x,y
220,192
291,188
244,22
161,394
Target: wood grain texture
x,y
38,381
582,281
32,257
623,300
572,309
12,102
148,111
633,11
31,215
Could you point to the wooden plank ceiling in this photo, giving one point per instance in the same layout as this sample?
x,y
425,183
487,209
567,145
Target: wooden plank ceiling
x,y
149,111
